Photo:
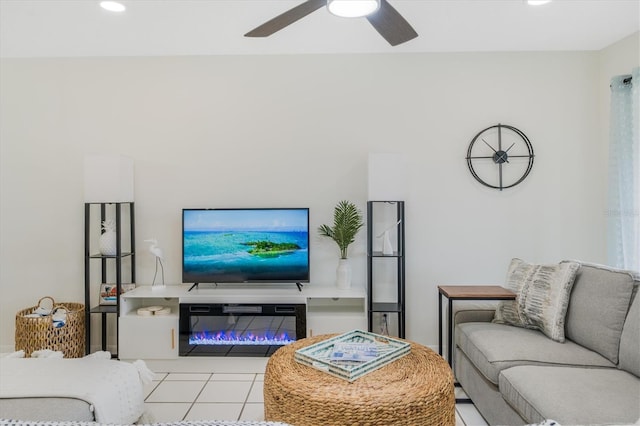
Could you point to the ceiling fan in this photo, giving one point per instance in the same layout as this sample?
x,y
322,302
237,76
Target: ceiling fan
x,y
386,20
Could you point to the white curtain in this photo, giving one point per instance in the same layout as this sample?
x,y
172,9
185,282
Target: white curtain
x,y
623,213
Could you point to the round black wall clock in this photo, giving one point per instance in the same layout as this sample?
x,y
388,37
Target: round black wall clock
x,y
500,156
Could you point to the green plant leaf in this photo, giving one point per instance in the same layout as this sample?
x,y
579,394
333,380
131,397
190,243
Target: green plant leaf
x,y
347,221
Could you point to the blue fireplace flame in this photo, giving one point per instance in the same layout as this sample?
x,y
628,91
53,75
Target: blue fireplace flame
x,y
233,338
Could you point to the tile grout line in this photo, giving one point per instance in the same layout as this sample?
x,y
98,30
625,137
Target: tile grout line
x,y
197,396
244,404
459,415
155,387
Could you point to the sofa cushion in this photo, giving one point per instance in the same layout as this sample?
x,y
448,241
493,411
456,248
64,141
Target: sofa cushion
x,y
630,340
572,396
493,347
542,297
597,308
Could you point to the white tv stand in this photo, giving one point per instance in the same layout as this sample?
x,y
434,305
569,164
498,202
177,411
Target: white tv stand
x,y
329,310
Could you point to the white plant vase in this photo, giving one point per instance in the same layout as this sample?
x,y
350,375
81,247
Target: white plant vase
x,y
107,243
343,274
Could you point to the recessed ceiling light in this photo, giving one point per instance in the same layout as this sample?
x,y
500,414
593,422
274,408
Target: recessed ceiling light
x,y
112,6
537,2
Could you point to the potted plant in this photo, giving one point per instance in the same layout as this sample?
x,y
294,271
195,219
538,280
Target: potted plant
x,y
347,221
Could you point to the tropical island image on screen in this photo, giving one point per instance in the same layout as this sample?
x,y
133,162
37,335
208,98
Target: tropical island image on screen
x,y
271,249
243,245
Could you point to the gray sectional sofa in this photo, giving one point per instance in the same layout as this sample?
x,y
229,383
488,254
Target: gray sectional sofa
x,y
517,375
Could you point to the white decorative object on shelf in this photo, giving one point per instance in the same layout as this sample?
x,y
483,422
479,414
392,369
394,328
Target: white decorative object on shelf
x,y
387,248
157,252
108,243
154,311
343,274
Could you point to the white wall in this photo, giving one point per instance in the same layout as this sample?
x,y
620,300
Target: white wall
x,y
296,131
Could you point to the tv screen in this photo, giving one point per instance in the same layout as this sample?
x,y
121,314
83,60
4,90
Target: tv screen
x,y
268,245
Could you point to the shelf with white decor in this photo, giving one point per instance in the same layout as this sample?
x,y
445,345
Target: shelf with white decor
x,y
110,268
387,182
109,241
386,268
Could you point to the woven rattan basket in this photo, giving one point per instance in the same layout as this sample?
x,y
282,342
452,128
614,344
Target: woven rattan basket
x,y
38,333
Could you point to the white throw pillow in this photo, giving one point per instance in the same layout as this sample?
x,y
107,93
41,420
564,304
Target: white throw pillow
x,y
542,297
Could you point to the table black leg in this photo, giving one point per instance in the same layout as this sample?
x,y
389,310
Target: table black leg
x,y
103,327
450,351
450,330
439,323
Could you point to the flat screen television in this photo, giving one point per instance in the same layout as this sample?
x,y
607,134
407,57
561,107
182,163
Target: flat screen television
x,y
259,245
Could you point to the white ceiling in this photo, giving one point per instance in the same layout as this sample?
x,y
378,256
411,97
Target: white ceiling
x,y
75,28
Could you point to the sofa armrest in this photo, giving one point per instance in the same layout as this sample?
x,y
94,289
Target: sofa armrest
x,y
474,311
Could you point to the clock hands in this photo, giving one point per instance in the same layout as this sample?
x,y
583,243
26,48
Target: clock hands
x,y
499,156
492,149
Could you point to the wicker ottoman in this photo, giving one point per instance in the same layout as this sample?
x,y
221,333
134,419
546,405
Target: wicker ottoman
x,y
416,389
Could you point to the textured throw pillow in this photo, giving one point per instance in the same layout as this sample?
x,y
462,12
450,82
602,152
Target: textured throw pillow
x,y
542,297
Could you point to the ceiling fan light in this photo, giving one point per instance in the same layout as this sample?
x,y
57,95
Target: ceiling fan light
x,y
112,6
352,8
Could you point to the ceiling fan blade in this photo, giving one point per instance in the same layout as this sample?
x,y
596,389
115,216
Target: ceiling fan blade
x,y
286,19
391,25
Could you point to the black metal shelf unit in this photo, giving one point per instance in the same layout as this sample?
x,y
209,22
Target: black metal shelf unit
x,y
107,263
383,310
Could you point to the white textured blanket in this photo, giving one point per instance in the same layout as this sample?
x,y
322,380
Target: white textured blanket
x,y
114,388
4,422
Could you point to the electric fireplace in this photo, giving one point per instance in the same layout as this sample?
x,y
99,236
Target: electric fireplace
x,y
209,329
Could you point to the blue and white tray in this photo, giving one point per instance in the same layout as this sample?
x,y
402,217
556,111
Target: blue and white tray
x,y
319,355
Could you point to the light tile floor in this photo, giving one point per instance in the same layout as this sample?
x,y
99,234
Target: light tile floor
x,y
200,388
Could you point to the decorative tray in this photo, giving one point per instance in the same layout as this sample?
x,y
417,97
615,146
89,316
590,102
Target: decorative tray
x,y
320,355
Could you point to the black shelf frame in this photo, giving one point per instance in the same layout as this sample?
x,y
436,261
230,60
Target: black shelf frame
x,y
105,261
115,256
386,307
397,307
